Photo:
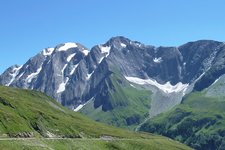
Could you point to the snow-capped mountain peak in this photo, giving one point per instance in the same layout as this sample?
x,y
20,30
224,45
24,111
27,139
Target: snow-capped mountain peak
x,y
66,46
85,51
72,74
14,74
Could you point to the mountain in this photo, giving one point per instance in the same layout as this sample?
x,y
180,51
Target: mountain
x,y
48,71
198,121
32,120
121,82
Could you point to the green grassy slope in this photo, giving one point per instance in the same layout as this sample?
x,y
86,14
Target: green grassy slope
x,y
198,122
25,113
129,106
92,144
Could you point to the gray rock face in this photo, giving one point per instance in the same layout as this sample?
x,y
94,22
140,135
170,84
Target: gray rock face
x,y
8,76
73,75
49,71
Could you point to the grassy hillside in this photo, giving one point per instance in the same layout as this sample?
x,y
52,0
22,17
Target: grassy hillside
x,y
198,122
92,144
30,114
128,106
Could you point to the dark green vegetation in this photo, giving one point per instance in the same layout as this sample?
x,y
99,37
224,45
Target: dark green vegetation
x,y
199,121
122,105
27,114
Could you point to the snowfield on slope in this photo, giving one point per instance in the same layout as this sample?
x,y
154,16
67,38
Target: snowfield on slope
x,y
67,46
167,87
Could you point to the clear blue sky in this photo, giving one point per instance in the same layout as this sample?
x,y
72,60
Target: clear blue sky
x,y
28,26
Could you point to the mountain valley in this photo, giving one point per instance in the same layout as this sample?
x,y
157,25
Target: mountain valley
x,y
128,84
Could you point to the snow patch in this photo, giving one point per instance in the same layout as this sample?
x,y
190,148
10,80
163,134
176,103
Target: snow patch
x,y
166,88
73,70
64,68
79,107
89,75
215,81
101,60
105,49
70,57
33,75
157,60
67,46
49,61
132,85
47,51
136,44
20,75
85,52
62,86
123,45
14,74
201,75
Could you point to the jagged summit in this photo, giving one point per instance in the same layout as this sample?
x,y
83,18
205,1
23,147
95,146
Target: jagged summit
x,y
65,47
118,39
121,41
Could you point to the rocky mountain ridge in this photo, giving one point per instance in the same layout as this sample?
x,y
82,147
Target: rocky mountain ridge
x,y
101,80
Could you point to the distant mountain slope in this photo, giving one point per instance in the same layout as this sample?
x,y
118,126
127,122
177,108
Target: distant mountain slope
x,y
113,79
26,114
198,121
